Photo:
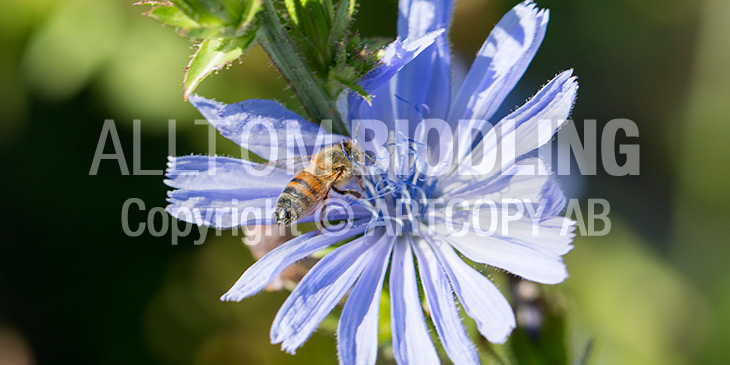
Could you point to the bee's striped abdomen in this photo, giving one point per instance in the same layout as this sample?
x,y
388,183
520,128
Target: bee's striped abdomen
x,y
331,166
302,194
308,184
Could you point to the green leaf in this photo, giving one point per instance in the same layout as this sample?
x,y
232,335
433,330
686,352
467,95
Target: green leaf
x,y
170,15
213,54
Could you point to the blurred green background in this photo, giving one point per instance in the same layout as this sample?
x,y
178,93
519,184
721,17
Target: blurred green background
x,y
75,289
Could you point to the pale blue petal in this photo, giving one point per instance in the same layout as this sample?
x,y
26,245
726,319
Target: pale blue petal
x,y
522,259
208,108
318,293
263,271
423,87
398,54
552,235
381,108
417,18
474,188
224,208
213,173
220,192
529,127
531,183
378,81
265,127
440,299
357,332
482,300
536,122
528,180
552,197
500,63
411,341
540,234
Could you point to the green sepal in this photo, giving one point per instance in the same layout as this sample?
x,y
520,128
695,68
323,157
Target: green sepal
x,y
152,3
224,28
341,23
320,32
212,12
212,55
311,20
276,41
170,15
200,19
248,19
347,76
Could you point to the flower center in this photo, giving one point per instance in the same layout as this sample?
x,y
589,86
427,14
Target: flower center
x,y
399,194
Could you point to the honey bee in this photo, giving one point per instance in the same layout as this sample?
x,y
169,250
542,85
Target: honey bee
x,y
331,168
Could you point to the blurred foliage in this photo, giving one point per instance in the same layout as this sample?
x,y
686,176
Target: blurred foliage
x,y
74,288
134,65
640,310
185,321
700,230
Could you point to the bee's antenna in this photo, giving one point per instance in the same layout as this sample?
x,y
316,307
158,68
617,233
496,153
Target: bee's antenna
x,y
357,130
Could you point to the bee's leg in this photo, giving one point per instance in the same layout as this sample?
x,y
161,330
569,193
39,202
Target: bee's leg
x,y
322,214
354,193
358,177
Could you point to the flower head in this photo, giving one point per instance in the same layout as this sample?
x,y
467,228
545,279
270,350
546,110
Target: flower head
x,y
412,210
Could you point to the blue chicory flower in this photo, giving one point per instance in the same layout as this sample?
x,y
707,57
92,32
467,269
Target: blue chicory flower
x,y
411,85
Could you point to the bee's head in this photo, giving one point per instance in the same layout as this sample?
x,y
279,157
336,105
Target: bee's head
x,y
284,215
350,148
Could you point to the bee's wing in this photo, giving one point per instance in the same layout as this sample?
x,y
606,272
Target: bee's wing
x,y
329,181
294,163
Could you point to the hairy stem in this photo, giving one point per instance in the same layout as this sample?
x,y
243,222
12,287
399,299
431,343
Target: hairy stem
x,y
279,46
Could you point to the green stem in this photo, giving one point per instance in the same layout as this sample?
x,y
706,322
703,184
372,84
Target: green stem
x,y
283,54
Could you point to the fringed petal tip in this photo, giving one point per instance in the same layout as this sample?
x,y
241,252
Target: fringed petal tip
x,y
500,63
189,218
231,297
568,87
535,11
